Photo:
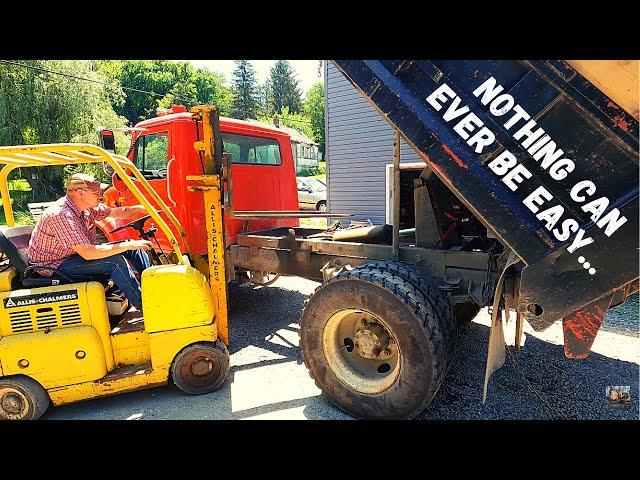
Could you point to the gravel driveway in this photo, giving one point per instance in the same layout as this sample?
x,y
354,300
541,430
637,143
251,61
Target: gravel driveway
x,y
269,381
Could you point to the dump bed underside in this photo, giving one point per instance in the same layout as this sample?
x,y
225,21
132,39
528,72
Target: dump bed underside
x,y
598,142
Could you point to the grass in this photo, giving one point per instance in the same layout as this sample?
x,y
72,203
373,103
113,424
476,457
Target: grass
x,y
323,170
20,218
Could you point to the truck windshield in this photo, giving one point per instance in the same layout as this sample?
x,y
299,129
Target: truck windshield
x,y
252,150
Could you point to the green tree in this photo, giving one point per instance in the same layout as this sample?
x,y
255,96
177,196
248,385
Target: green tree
x,y
284,90
299,121
177,82
314,110
41,107
245,102
264,107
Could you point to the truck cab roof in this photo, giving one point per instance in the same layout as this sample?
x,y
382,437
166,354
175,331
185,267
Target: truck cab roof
x,y
226,124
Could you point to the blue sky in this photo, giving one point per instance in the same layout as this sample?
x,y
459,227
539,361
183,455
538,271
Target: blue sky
x,y
306,70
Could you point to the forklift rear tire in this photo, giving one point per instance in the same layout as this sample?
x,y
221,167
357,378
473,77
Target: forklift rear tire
x,y
22,398
373,344
201,367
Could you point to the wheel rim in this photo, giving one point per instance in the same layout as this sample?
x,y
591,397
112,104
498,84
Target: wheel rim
x,y
14,404
200,368
322,207
361,351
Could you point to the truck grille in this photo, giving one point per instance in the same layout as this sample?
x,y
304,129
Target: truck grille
x,y
44,318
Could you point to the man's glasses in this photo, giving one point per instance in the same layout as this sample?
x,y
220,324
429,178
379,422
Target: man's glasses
x,y
97,194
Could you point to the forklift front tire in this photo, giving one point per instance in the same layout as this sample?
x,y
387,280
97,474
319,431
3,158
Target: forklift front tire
x,y
201,367
22,398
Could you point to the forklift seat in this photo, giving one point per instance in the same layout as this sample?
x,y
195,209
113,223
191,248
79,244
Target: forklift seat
x,y
14,242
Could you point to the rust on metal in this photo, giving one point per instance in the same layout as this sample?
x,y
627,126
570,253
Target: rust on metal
x,y
519,329
200,368
459,162
621,122
434,166
581,327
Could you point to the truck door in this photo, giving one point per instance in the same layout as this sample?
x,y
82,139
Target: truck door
x,y
263,179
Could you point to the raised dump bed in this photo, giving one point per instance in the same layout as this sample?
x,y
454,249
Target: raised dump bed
x,y
543,158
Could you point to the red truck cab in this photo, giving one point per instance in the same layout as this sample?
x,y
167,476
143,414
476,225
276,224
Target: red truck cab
x,y
263,174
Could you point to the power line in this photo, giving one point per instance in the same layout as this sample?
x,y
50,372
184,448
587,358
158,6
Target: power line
x,y
284,119
293,120
8,62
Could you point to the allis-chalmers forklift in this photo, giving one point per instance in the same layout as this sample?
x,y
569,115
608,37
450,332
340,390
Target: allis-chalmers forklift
x,y
65,339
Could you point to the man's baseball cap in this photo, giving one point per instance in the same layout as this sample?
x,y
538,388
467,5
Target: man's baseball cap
x,y
84,181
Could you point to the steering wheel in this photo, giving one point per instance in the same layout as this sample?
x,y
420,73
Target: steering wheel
x,y
135,224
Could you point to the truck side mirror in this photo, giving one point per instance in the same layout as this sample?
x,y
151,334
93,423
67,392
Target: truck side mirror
x,y
106,139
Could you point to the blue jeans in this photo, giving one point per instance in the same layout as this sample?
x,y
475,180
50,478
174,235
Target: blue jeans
x,y
116,267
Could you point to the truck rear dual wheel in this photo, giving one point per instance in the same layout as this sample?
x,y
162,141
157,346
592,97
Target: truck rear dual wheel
x,y
22,398
436,299
201,367
374,344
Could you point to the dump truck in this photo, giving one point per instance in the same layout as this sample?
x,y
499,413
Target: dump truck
x,y
527,204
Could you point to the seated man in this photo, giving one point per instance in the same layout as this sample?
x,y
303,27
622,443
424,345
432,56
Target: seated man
x,y
64,238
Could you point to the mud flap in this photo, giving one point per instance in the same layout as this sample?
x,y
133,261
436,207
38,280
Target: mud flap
x,y
581,327
496,349
496,352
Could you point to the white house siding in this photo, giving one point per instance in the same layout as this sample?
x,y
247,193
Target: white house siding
x,y
359,143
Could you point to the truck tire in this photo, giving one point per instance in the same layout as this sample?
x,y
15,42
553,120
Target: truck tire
x,y
201,367
465,312
437,298
373,344
22,398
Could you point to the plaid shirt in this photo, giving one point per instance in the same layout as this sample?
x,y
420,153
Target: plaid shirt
x,y
61,227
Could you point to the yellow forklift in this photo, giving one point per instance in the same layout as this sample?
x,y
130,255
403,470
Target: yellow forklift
x,y
57,344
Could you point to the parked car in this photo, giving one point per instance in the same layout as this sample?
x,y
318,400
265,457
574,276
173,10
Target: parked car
x,y
312,194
